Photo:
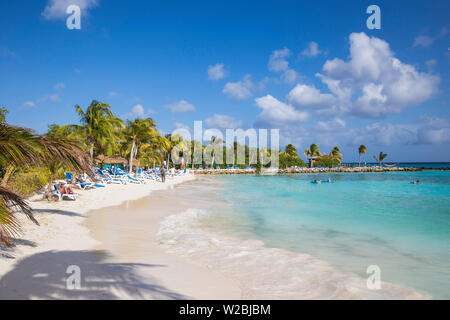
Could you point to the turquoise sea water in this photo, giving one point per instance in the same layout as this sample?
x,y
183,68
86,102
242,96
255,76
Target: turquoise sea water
x,y
359,220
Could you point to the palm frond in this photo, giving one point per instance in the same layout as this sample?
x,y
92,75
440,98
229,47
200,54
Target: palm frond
x,y
9,226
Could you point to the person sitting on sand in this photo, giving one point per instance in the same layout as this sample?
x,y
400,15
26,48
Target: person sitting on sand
x,y
65,189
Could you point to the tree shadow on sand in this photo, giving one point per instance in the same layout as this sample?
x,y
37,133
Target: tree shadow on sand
x,y
56,211
43,276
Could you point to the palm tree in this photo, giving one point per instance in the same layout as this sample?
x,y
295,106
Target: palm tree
x,y
20,147
139,132
98,125
380,158
213,142
149,155
336,154
311,152
361,150
171,141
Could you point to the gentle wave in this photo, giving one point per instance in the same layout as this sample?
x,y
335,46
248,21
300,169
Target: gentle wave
x,y
267,273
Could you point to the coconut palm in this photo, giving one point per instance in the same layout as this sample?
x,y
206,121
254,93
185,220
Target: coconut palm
x,y
380,158
3,113
137,133
311,152
98,125
20,147
171,141
361,150
150,155
214,142
336,154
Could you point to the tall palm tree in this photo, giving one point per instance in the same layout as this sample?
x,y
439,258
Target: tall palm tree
x,y
311,152
213,142
163,144
336,154
149,155
380,158
361,150
98,125
171,141
20,147
139,132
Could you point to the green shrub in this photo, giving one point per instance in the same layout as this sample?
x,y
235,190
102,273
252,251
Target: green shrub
x,y
326,161
25,182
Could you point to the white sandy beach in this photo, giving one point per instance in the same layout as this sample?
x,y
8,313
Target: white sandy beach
x,y
36,267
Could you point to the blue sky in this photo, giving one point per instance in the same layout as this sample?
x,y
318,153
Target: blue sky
x,y
310,68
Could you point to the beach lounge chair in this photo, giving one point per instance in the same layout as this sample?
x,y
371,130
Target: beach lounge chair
x,y
83,184
115,180
71,196
104,175
68,177
134,180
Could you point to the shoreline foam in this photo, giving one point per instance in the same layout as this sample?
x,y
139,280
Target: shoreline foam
x,y
267,273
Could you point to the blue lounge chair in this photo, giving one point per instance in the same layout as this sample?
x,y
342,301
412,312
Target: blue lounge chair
x,y
68,177
61,196
83,185
134,180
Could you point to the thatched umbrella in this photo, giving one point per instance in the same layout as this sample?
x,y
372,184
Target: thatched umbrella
x,y
99,158
114,160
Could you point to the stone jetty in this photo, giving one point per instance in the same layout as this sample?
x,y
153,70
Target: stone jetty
x,y
304,170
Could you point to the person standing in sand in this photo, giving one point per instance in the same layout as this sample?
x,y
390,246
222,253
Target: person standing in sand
x,y
163,174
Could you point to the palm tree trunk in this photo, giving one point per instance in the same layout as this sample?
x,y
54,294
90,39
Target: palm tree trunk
x,y
131,156
360,159
135,157
91,153
212,161
168,159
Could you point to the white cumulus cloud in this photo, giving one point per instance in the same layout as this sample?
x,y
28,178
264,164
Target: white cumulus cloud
x,y
277,112
278,63
216,72
222,121
372,83
312,50
239,90
180,107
